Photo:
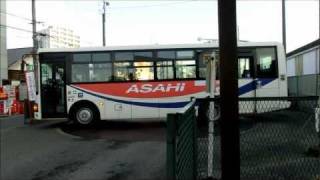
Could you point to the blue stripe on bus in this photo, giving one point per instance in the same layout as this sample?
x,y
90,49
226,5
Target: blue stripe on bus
x,y
252,85
242,90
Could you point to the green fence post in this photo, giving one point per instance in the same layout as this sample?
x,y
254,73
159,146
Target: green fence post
x,y
171,146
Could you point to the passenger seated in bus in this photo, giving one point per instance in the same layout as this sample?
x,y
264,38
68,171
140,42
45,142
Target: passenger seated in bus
x,y
246,74
131,77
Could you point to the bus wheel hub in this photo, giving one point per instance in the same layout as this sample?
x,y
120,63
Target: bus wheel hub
x,y
84,116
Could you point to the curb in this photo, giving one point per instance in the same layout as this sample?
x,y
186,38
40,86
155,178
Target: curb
x,y
58,130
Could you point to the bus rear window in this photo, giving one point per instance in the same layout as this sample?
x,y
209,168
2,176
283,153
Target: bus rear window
x,y
266,63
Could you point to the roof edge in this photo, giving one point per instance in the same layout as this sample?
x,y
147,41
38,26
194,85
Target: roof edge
x,y
304,48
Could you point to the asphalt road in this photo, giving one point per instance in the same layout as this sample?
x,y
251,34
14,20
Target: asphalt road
x,y
57,150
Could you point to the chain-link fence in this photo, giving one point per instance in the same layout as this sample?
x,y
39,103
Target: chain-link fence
x,y
278,138
182,144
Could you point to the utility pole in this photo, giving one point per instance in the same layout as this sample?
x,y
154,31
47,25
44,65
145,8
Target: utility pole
x,y
34,27
284,38
35,41
229,123
28,103
105,4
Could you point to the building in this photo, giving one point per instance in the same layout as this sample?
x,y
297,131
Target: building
x,y
3,44
15,56
58,37
303,70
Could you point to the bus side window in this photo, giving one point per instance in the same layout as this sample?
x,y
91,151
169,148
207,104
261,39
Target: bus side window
x,y
165,64
80,67
80,73
164,70
101,72
143,70
185,69
101,69
122,71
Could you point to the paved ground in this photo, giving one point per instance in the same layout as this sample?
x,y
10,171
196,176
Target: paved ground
x,y
47,151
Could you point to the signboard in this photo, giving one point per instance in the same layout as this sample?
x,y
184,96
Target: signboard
x,y
31,85
10,91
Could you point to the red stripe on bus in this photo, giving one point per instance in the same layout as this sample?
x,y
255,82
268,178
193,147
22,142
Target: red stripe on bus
x,y
146,89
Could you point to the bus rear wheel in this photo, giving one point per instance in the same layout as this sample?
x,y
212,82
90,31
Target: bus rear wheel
x,y
85,115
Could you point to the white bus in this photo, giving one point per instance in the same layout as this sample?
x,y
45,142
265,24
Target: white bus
x,y
145,82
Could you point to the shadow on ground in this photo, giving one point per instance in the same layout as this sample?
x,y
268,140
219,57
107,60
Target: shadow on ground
x,y
117,131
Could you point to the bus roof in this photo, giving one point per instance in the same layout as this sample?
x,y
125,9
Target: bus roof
x,y
154,46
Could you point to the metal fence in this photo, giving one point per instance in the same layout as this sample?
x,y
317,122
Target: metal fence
x,y
278,140
304,85
182,144
277,135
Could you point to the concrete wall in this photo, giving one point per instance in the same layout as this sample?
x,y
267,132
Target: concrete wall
x,y
3,43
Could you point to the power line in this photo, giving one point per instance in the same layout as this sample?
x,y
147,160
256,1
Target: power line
x,y
154,5
17,16
29,31
14,15
38,33
16,28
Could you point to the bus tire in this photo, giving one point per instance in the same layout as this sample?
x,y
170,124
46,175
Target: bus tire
x,y
85,114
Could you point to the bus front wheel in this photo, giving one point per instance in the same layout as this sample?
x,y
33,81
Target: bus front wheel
x,y
85,115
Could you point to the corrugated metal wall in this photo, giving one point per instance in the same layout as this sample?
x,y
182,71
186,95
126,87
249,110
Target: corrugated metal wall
x,y
303,73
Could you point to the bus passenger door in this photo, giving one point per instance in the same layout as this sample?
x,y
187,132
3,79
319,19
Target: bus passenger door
x,y
53,98
267,81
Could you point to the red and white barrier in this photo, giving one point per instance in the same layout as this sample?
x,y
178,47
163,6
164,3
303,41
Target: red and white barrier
x,y
9,103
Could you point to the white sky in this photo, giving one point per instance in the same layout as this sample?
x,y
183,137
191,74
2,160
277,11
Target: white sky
x,y
165,22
